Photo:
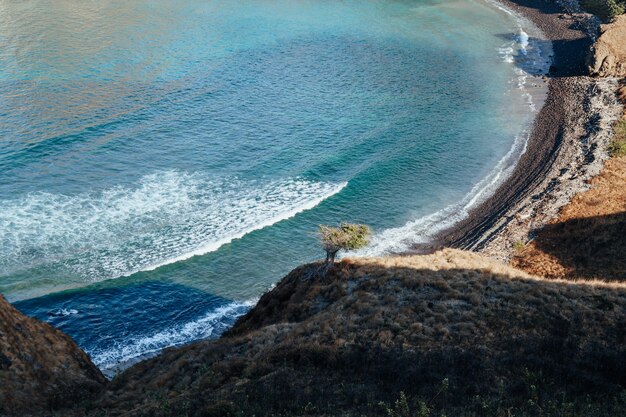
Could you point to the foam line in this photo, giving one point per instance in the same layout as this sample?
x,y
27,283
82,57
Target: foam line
x,y
210,325
168,217
213,246
529,58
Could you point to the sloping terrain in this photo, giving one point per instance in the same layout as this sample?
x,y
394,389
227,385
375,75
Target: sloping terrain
x,y
608,55
41,369
588,239
450,333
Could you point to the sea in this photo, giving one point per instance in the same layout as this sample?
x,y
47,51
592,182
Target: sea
x,y
164,163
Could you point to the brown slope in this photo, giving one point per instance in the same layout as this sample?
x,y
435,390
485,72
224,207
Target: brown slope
x,y
41,369
588,239
340,344
608,55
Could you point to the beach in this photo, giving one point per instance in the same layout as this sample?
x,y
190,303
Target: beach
x,y
567,145
167,193
451,333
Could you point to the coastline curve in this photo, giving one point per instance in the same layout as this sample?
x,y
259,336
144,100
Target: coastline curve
x,y
566,147
531,52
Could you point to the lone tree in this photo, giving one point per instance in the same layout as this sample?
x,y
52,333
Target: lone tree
x,y
347,236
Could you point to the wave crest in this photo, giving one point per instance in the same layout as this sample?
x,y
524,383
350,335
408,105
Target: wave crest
x,y
211,325
169,216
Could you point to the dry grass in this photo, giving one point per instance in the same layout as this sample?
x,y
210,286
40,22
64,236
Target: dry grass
x,y
343,343
588,240
40,368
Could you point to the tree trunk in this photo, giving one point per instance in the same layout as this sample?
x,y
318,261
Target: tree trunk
x,y
330,257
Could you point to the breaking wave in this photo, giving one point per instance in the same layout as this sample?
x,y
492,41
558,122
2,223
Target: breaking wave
x,y
531,56
211,325
168,217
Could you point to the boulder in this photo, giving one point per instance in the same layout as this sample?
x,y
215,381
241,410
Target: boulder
x,y
607,57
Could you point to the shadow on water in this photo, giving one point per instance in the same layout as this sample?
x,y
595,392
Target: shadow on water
x,y
532,59
568,56
118,324
570,51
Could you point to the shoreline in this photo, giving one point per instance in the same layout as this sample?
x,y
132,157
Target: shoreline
x,y
566,147
120,367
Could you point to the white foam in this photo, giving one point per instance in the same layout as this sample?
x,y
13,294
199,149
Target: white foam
x,y
531,52
212,324
63,312
168,217
523,40
401,239
530,57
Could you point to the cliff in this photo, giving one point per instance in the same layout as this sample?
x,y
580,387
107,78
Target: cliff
x,y
41,369
608,55
452,333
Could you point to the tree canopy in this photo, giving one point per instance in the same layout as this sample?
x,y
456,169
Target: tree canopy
x,y
348,236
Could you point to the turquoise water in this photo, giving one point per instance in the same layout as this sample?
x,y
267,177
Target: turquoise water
x,y
164,163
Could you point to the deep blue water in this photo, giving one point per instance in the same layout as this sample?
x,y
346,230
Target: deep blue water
x,y
174,314
162,164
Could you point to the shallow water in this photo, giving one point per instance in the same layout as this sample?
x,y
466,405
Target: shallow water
x,y
165,163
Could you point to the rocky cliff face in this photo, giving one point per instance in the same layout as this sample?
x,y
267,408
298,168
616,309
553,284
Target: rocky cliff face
x,y
608,55
41,369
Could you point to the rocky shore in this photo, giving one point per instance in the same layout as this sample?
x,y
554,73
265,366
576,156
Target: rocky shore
x,y
452,333
567,146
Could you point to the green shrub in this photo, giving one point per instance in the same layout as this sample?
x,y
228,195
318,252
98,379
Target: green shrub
x,y
401,408
618,145
519,245
347,236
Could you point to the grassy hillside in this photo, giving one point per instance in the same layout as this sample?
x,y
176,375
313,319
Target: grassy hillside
x,y
449,334
40,367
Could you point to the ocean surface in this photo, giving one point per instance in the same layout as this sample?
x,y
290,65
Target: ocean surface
x,y
162,164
